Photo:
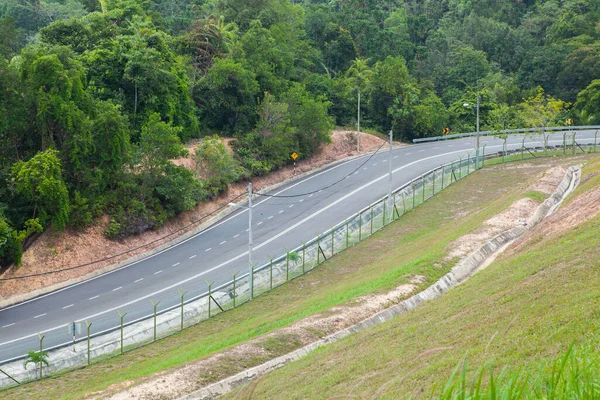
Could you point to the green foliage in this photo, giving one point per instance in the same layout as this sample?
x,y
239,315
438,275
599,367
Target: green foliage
x,y
114,86
36,358
588,103
40,182
216,165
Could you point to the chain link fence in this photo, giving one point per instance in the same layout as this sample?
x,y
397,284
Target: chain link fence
x,y
190,308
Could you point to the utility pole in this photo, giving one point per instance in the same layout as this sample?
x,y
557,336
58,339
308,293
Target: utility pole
x,y
250,265
477,143
358,119
390,211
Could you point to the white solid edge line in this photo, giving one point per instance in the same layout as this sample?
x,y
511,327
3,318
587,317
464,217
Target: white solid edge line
x,y
188,239
257,247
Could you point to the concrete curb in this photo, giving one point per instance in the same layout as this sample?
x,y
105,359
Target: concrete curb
x,y
177,240
459,273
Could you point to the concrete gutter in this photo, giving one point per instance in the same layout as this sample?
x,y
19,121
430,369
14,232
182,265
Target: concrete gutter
x,y
458,274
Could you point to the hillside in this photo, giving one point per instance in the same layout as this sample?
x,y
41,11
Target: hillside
x,y
346,289
529,319
89,248
98,96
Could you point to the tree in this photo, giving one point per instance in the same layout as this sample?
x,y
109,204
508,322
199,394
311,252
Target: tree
x,y
359,75
541,110
37,358
588,103
216,165
40,181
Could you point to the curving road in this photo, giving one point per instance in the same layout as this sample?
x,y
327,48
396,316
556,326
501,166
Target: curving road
x,y
213,253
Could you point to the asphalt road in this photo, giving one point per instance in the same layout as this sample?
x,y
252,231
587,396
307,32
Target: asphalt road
x,y
213,253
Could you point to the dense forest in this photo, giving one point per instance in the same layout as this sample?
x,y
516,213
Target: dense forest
x,y
97,96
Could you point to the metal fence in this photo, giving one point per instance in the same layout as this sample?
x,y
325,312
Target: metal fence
x,y
185,310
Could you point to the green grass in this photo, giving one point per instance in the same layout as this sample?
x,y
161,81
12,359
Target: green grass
x,y
535,195
516,321
415,244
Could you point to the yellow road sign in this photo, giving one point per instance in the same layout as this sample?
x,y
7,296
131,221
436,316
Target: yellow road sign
x,y
294,156
446,131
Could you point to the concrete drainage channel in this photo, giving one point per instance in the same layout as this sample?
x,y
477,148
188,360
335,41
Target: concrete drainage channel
x,y
459,273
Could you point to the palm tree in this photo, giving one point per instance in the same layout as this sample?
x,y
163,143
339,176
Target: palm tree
x,y
359,75
37,358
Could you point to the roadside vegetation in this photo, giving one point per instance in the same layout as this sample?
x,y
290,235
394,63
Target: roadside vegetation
x,y
523,328
99,95
415,245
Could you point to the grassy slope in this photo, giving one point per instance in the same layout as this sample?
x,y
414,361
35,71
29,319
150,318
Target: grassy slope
x,y
373,266
521,312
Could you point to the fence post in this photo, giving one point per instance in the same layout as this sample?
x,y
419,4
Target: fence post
x,y
182,295
564,143
574,133
234,285
359,226
318,249
287,265
122,318
468,163
41,353
414,187
443,173
522,149
595,140
460,168
303,256
483,157
332,240
209,295
383,216
89,326
423,186
504,149
271,272
347,234
371,221
155,305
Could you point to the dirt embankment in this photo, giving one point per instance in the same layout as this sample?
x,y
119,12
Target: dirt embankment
x,y
180,381
517,213
55,251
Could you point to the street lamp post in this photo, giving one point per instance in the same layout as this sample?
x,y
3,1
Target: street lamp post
x,y
390,213
250,266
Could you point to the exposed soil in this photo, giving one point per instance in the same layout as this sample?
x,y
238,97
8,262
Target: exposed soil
x,y
576,212
518,212
58,250
174,384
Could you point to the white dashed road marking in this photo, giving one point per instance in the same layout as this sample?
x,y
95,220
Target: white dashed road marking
x,y
139,280
236,235
280,211
291,205
69,306
209,249
396,156
408,154
41,315
194,256
310,195
92,298
259,223
158,272
174,265
223,242
6,326
119,288
270,217
301,200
